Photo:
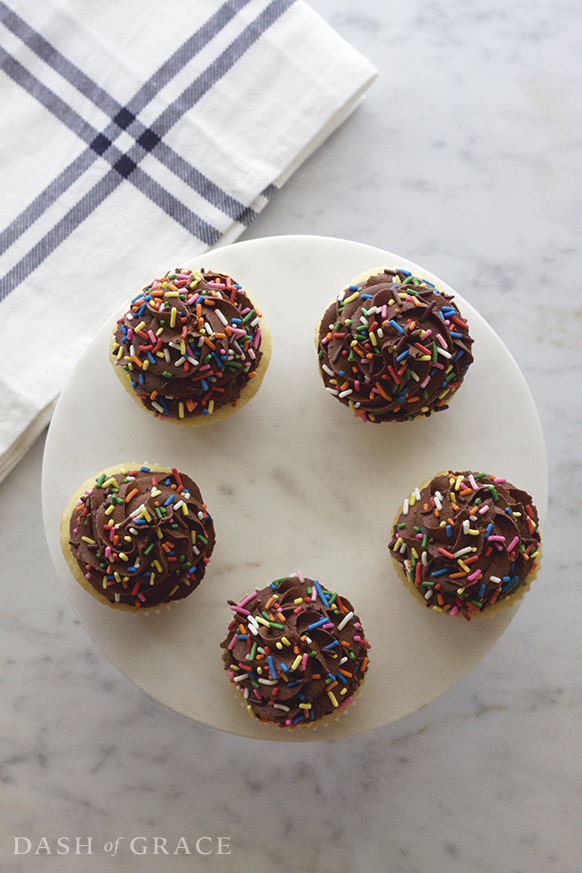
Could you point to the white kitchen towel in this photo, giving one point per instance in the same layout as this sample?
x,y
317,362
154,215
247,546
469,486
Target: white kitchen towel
x,y
133,135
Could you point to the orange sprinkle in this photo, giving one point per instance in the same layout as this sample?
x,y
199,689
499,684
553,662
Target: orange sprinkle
x,y
131,495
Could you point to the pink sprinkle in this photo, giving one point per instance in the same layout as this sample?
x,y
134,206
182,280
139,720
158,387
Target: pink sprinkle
x,y
484,508
327,626
300,576
496,539
424,382
240,609
512,544
474,485
474,576
257,338
454,610
246,599
441,340
427,333
87,575
499,481
304,660
129,333
193,299
152,336
141,597
357,384
108,551
232,644
384,312
356,638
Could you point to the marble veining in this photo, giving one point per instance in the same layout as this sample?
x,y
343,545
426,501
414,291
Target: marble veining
x,y
464,156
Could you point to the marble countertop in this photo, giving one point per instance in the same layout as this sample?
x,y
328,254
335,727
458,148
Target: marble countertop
x,y
465,157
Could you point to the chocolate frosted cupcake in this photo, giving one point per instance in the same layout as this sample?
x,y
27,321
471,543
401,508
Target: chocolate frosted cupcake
x,y
137,537
392,347
296,652
467,543
192,347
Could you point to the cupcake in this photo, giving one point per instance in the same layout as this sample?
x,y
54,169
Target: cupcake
x,y
192,347
392,347
137,537
467,543
295,652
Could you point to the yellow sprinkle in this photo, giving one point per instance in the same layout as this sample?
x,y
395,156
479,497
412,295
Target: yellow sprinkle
x,y
373,339
140,326
285,640
127,539
123,556
298,600
88,540
474,533
171,293
261,620
158,566
462,565
185,508
159,331
438,609
460,590
279,645
296,662
211,407
110,481
173,315
117,576
458,483
152,577
304,706
181,410
332,697
351,297
110,509
146,364
156,492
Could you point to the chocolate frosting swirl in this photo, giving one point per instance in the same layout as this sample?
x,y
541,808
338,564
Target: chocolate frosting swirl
x,y
191,342
393,347
142,538
467,540
296,651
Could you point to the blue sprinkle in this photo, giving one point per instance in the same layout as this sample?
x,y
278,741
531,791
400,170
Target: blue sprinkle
x,y
163,404
441,572
142,309
331,645
482,590
316,624
396,326
449,530
170,499
353,288
141,378
271,663
204,384
284,667
366,296
402,355
322,596
457,356
151,358
145,469
489,530
405,272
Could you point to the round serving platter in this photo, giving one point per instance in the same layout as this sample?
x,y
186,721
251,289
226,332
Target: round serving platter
x,y
295,482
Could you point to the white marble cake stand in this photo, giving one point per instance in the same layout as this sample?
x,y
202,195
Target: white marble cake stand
x,y
295,481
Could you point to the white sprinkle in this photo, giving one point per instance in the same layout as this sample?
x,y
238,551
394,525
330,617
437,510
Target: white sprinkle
x,y
345,620
346,392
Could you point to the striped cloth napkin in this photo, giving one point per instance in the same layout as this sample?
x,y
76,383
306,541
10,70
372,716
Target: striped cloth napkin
x,y
133,135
